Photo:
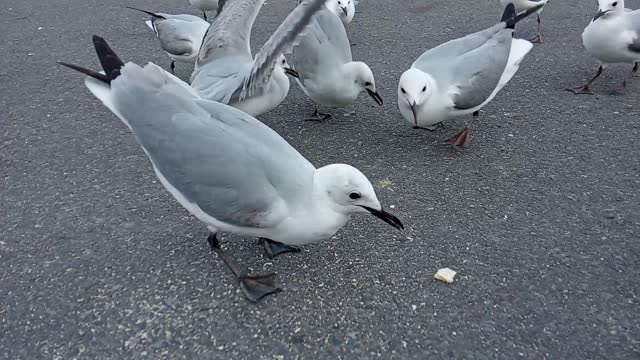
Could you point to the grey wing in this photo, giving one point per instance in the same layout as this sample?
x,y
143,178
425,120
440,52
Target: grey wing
x,y
232,166
453,48
230,32
280,42
475,75
634,17
323,45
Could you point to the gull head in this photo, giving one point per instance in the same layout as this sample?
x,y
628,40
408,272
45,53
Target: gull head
x,y
344,9
348,191
414,90
609,6
282,63
362,77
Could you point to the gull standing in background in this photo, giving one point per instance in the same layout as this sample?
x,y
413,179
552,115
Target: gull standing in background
x,y
327,73
180,36
228,169
613,36
344,9
207,5
523,5
225,64
461,76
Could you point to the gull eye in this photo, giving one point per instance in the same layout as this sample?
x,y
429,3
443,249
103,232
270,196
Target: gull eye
x,y
354,196
424,88
367,84
402,89
615,4
284,62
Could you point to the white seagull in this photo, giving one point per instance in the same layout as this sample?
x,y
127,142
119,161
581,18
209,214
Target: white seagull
x,y
523,5
326,70
225,65
228,169
344,9
180,36
461,76
613,36
207,5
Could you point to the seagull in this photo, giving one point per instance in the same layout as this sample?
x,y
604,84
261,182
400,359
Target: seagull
x,y
523,5
613,36
206,5
228,169
225,65
180,36
326,71
461,76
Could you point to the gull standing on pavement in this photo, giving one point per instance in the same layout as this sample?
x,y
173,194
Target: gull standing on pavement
x,y
613,36
225,64
180,36
327,72
523,5
461,76
228,169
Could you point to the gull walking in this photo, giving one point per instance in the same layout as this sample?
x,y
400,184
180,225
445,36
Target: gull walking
x,y
207,5
523,5
461,76
180,36
327,73
225,65
228,169
613,36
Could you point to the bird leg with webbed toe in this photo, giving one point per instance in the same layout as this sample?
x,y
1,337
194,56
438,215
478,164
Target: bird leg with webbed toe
x,y
317,116
626,79
538,38
274,248
254,287
462,138
586,89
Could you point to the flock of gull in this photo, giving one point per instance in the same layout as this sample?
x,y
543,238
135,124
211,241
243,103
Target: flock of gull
x,y
236,174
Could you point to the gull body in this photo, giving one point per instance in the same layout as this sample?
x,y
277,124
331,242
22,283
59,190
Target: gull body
x,y
180,36
225,167
327,73
205,5
225,67
612,36
461,76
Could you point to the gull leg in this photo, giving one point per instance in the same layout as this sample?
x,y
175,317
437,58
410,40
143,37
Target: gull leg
x,y
462,138
538,38
173,67
317,116
254,287
626,79
586,89
275,248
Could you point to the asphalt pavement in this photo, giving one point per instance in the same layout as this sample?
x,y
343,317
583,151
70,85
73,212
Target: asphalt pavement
x,y
539,216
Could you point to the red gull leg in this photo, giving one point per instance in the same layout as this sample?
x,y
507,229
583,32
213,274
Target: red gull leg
x,y
462,138
586,89
626,79
538,38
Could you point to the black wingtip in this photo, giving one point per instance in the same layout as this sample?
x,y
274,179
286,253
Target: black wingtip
x,y
509,16
111,63
147,12
88,72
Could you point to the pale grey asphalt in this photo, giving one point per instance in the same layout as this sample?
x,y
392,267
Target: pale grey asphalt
x,y
539,216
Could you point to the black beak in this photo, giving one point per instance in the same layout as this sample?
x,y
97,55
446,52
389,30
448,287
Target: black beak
x,y
291,73
375,96
386,217
344,10
415,115
599,14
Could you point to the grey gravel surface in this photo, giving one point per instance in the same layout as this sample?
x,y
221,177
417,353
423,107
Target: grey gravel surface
x,y
540,216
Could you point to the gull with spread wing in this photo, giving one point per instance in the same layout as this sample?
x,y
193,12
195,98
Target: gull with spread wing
x,y
326,71
228,169
226,71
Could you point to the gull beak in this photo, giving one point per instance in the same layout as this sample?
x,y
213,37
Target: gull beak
x,y
599,14
414,112
375,96
344,10
386,217
291,72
